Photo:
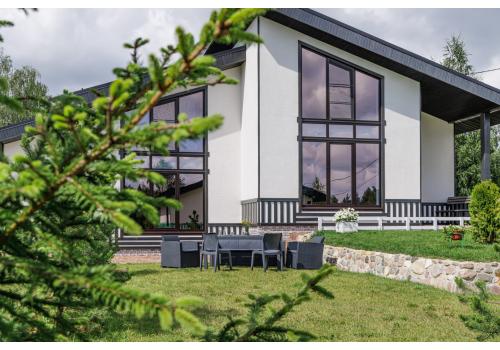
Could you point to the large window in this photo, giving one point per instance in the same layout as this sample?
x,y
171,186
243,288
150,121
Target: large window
x,y
340,128
184,169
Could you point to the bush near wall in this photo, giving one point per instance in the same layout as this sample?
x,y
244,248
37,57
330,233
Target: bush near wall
x,y
484,210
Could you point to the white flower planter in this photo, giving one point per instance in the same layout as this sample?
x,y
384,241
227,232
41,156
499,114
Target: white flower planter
x,y
344,227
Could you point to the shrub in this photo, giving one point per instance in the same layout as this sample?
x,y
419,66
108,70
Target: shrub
x,y
346,215
484,210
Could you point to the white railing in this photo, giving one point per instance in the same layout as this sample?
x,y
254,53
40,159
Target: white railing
x,y
406,222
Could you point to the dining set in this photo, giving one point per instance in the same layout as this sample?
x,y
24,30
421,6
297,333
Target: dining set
x,y
242,250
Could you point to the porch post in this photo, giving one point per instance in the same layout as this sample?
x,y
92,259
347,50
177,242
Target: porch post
x,y
485,146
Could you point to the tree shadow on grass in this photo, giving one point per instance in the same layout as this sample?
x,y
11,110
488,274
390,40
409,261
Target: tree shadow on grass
x,y
113,325
143,272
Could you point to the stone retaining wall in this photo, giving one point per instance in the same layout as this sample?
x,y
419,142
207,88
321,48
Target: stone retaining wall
x,y
438,273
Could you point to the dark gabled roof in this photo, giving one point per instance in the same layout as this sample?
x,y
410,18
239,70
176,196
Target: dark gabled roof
x,y
224,60
13,132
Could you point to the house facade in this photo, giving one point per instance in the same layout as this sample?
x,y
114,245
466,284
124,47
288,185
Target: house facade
x,y
325,117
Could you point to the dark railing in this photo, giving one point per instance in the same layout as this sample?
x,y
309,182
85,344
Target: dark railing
x,y
270,211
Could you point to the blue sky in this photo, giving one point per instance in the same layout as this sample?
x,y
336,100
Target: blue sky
x,y
77,48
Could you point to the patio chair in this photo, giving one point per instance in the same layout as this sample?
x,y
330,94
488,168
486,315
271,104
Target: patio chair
x,y
211,247
305,255
271,246
175,253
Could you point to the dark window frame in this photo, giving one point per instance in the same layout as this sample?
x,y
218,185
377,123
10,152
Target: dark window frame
x,y
339,62
178,171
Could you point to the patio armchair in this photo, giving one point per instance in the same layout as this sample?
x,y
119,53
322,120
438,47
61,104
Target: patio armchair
x,y
306,255
211,247
271,246
175,253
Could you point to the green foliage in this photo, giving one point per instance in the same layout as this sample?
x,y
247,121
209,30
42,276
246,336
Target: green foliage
x,y
455,56
21,91
484,208
449,230
260,322
468,159
484,319
59,200
468,145
424,243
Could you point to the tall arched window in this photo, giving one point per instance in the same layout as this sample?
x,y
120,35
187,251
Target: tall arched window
x,y
340,133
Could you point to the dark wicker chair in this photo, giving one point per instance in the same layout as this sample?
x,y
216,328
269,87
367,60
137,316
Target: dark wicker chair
x,y
271,246
211,247
175,253
305,255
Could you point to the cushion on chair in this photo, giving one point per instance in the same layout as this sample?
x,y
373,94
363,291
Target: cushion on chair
x,y
189,246
170,238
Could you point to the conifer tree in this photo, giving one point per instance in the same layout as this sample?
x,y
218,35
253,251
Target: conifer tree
x,y
64,185
58,201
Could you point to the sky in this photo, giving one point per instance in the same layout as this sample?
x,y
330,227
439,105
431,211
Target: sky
x,y
78,48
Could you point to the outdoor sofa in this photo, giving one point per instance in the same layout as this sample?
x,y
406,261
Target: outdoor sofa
x,y
305,255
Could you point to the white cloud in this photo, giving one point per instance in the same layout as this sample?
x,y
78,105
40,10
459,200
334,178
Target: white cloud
x,y
77,48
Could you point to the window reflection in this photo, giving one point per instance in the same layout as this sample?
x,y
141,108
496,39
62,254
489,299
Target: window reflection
x,y
367,132
367,97
192,163
313,85
314,130
340,92
167,214
313,173
341,131
165,112
340,174
192,105
191,197
367,174
142,185
160,162
145,162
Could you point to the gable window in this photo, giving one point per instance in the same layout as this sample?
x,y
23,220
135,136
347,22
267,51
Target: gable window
x,y
184,168
340,133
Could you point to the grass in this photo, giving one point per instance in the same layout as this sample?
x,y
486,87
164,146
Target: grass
x,y
365,308
430,244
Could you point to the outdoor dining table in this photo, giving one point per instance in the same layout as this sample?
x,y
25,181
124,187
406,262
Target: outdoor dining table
x,y
241,247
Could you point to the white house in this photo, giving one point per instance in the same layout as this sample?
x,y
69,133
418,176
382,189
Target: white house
x,y
325,116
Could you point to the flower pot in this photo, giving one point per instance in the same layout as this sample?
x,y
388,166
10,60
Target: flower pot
x,y
344,227
456,236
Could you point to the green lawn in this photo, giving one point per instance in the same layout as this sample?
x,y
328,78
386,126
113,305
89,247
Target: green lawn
x,y
365,308
417,243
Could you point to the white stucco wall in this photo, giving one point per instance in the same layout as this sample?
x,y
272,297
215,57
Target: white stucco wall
x,y
437,159
224,179
249,155
12,148
279,112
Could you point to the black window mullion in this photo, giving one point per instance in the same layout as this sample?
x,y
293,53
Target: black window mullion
x,y
353,173
327,95
328,179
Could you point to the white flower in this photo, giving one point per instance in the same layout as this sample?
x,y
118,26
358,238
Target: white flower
x,y
346,215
